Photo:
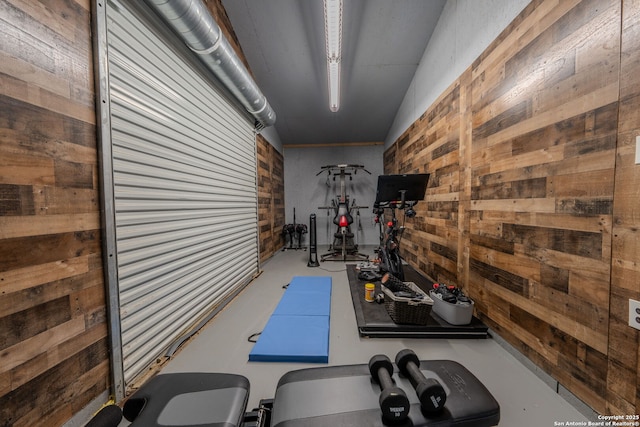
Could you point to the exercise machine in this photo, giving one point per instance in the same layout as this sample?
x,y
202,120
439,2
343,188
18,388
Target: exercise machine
x,y
344,247
401,192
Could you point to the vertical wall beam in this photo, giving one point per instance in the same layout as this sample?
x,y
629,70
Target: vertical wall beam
x,y
103,113
464,204
623,373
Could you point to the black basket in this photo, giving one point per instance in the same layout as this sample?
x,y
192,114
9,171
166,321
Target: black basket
x,y
406,310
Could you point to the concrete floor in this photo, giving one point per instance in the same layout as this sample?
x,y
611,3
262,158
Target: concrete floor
x,y
222,346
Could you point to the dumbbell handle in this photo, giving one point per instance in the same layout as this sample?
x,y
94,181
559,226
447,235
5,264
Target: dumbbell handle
x,y
384,379
431,394
415,374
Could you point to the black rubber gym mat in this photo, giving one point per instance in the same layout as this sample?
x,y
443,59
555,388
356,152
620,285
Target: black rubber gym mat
x,y
374,321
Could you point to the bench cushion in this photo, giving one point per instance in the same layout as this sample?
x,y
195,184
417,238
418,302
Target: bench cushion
x,y
346,395
189,399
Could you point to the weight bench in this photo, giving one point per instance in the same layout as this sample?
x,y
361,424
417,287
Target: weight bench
x,y
347,395
194,399
189,399
312,397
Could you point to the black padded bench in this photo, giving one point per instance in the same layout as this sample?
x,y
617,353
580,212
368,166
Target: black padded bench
x,y
189,399
346,395
313,397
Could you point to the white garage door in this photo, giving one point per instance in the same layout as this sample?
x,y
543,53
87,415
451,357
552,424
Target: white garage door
x,y
184,186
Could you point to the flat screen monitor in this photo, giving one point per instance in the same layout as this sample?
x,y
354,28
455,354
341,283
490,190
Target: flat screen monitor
x,y
390,187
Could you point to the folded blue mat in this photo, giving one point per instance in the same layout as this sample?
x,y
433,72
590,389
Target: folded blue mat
x,y
298,329
293,339
302,284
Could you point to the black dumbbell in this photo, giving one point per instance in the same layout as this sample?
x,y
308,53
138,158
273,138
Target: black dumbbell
x,y
394,402
429,390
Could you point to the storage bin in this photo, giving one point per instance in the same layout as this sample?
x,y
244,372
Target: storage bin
x,y
408,310
455,314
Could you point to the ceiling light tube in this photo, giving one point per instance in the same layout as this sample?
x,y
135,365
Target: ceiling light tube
x,y
333,69
333,36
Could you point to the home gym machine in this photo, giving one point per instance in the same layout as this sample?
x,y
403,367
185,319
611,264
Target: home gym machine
x,y
396,192
344,247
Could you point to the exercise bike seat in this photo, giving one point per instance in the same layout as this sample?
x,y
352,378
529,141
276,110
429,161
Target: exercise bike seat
x,y
189,399
336,219
343,210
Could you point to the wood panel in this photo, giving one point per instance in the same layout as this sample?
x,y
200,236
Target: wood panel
x,y
271,215
623,375
543,129
532,206
431,145
54,355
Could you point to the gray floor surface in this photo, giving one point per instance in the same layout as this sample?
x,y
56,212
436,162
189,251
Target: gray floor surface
x,y
221,346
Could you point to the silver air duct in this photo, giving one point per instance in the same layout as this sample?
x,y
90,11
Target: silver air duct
x,y
193,23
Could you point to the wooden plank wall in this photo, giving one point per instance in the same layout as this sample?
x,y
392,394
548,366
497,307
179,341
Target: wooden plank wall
x,y
53,330
623,374
529,156
271,217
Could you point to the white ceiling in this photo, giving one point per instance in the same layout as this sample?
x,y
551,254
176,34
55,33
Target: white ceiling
x,y
383,42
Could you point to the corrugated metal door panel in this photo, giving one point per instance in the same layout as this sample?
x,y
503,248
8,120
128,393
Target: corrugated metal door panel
x,y
184,172
159,100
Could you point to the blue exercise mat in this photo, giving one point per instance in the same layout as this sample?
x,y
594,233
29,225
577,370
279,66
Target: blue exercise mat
x,y
293,339
302,284
298,329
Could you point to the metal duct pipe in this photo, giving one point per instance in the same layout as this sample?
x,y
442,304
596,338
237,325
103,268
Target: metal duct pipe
x,y
192,22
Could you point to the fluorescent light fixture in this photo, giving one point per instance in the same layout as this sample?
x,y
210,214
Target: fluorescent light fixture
x,y
333,36
333,70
